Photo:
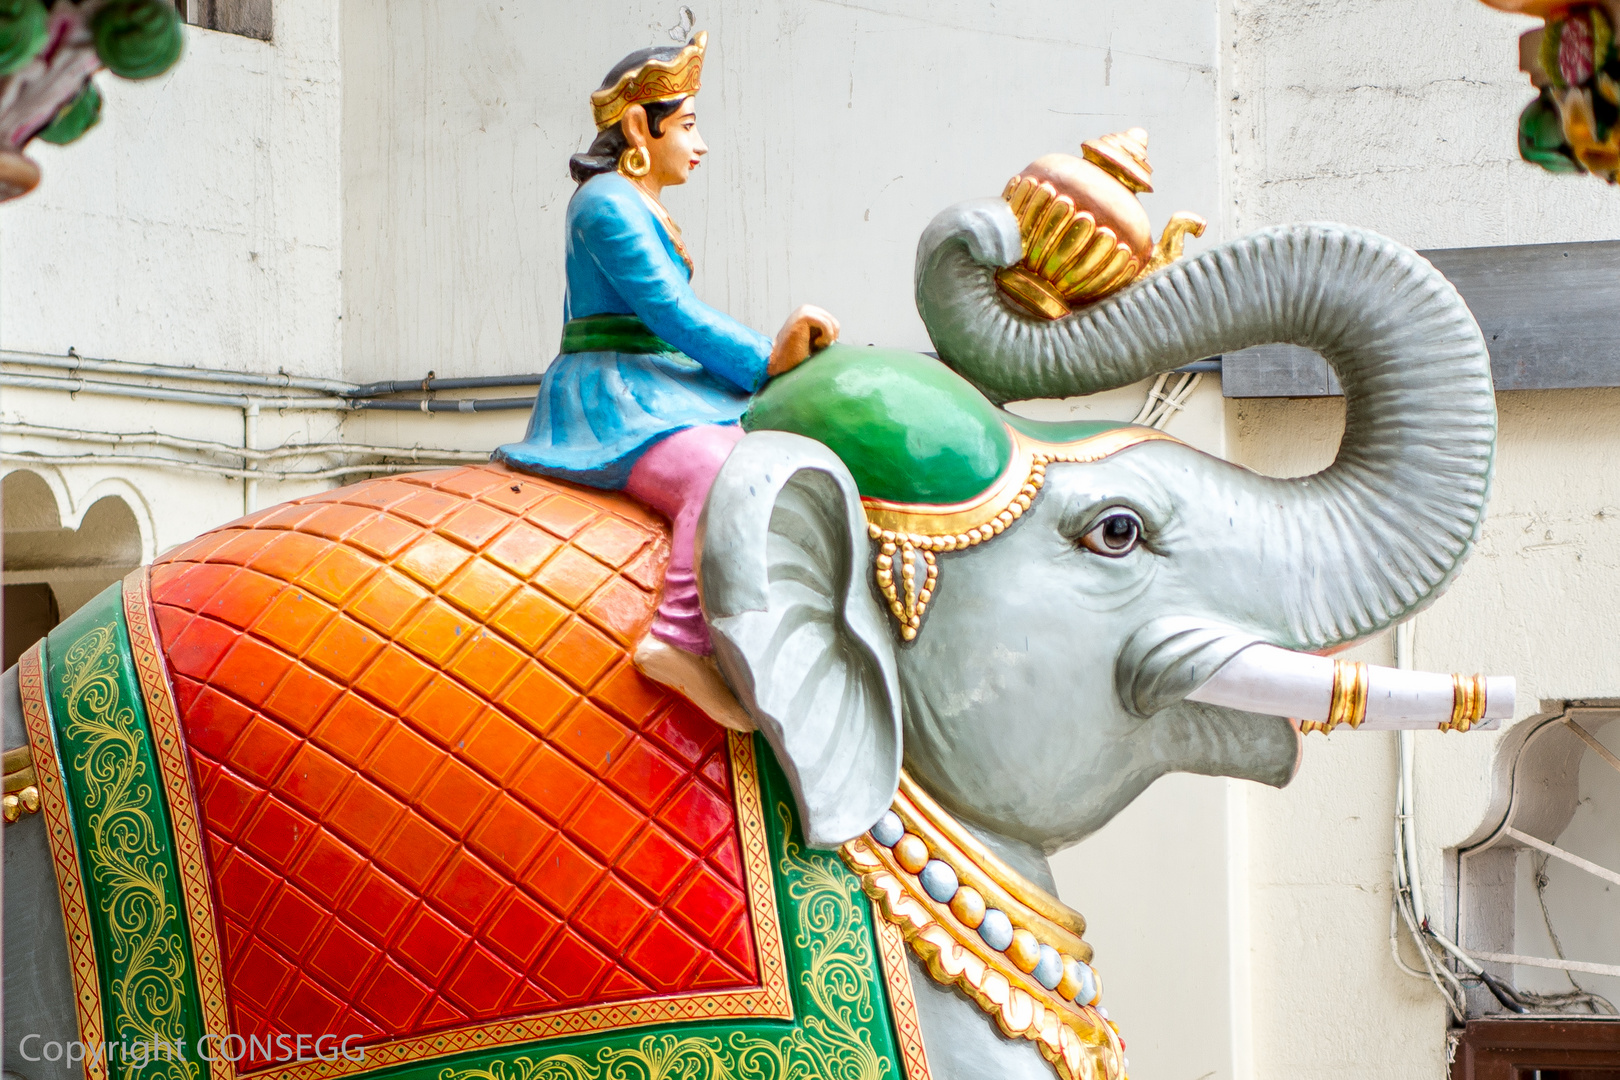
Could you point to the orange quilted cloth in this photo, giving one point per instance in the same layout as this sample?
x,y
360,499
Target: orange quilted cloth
x,y
435,790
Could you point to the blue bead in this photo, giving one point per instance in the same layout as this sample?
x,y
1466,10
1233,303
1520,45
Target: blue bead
x,y
1088,986
1049,968
888,829
996,929
938,880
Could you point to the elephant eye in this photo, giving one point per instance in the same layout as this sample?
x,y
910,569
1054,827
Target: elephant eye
x,y
1116,533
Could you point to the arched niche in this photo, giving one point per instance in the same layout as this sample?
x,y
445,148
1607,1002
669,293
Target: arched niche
x,y
58,556
1538,879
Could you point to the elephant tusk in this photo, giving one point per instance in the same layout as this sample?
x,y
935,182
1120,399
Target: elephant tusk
x,y
1276,682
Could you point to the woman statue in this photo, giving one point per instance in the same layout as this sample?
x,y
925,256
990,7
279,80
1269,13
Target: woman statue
x,y
646,394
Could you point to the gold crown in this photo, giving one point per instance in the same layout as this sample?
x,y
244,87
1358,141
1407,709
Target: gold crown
x,y
1085,235
656,80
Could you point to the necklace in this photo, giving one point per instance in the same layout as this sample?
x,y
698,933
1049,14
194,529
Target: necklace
x,y
982,927
664,219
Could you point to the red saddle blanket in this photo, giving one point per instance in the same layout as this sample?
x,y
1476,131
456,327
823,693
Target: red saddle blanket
x,y
435,791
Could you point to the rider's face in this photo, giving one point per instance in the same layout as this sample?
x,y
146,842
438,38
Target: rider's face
x,y
678,150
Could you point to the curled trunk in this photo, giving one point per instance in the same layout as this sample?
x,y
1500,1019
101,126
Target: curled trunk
x,y
1371,538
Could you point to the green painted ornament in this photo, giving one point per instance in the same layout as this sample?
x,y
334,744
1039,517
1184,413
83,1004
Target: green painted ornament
x,y
75,118
909,428
138,39
1541,137
24,27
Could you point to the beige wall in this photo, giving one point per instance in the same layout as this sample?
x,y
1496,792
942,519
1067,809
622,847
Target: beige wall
x,y
1400,118
1367,117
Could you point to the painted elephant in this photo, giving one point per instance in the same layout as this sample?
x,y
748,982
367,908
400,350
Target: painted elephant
x,y
1036,621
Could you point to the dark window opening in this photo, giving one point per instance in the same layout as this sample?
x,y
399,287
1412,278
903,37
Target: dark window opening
x,y
249,18
31,613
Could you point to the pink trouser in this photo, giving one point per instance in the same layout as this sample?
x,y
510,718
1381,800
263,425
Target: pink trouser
x,y
674,478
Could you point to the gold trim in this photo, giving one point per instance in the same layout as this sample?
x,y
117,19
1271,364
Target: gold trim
x,y
1032,291
902,530
969,875
656,80
1041,905
1172,241
19,768
949,526
1122,155
771,1000
756,853
902,998
1348,702
1467,702
190,849
65,858
1076,1040
21,785
1080,260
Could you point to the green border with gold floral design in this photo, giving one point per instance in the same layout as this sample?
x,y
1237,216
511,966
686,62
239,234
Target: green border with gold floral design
x,y
142,944
843,1028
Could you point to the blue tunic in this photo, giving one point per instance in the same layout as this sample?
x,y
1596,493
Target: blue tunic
x,y
598,412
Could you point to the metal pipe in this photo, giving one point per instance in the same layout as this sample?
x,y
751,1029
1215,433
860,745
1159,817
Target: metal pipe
x,y
433,405
431,383
335,387
160,393
250,443
240,401
174,442
26,457
74,362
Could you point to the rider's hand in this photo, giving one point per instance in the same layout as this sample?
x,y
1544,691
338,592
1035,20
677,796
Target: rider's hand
x,y
808,330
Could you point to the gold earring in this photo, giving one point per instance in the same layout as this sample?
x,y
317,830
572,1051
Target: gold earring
x,y
635,161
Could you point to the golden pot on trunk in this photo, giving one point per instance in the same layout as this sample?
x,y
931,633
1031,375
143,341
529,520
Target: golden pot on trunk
x,y
1085,235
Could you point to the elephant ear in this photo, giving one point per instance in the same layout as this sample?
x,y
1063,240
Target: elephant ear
x,y
798,630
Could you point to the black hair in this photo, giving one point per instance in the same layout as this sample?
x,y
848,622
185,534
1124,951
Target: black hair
x,y
603,155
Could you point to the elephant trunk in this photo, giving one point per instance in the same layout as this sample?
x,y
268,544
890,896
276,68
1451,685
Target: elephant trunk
x,y
1358,546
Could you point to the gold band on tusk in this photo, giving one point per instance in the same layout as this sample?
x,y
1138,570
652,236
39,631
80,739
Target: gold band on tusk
x,y
1467,702
1348,705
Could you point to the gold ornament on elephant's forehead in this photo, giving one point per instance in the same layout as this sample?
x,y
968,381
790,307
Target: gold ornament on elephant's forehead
x,y
1084,233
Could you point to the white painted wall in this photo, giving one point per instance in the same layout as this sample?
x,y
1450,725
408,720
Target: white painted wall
x,y
836,131
198,223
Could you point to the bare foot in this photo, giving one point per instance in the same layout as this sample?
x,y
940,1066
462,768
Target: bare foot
x,y
696,677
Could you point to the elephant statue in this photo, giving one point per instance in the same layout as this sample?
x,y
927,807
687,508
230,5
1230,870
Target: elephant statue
x,y
368,781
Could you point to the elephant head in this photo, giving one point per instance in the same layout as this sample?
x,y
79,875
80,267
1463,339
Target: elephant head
x,y
1049,682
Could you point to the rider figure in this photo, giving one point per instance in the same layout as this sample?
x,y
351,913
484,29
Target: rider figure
x,y
646,394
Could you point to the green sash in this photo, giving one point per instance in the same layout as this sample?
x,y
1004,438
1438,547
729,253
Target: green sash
x,y
612,333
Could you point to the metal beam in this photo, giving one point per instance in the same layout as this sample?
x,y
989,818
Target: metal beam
x,y
1548,313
